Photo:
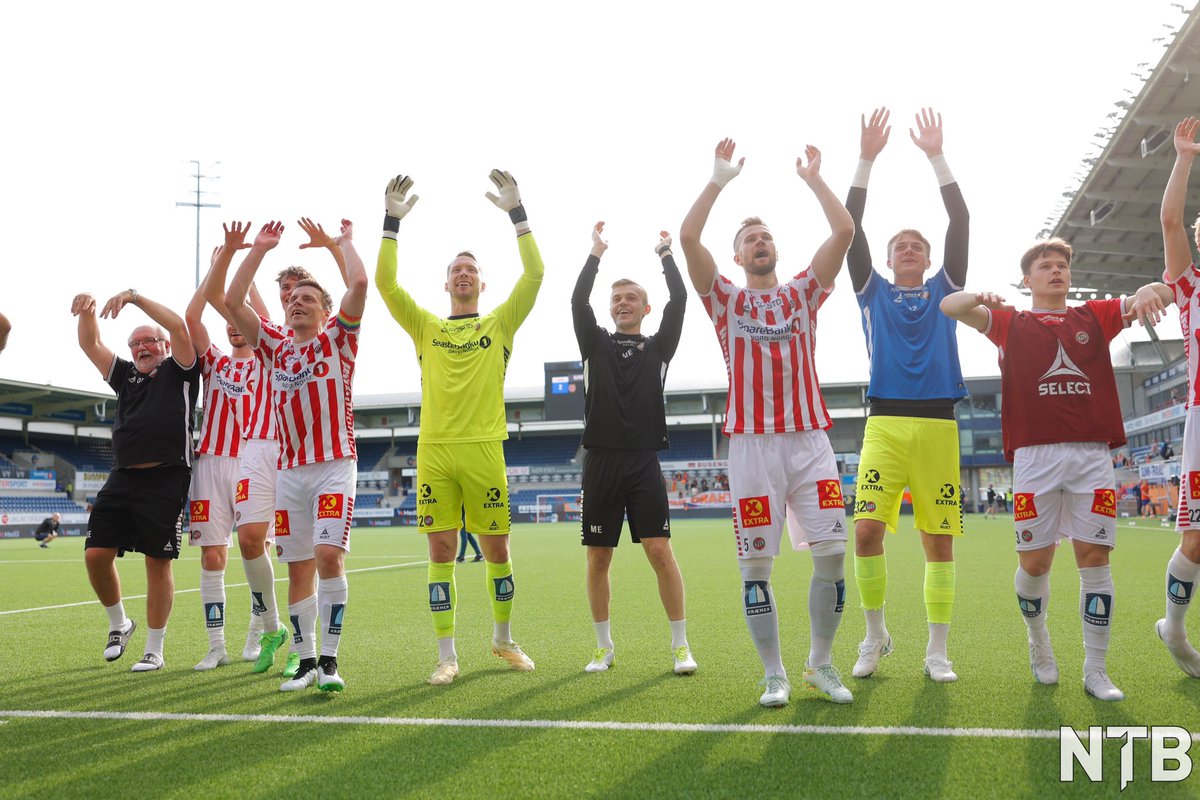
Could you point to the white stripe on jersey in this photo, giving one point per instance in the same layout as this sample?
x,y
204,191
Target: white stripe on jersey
x,y
224,393
1187,298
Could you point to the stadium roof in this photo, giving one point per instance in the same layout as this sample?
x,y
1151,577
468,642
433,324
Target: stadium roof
x,y
45,403
1112,218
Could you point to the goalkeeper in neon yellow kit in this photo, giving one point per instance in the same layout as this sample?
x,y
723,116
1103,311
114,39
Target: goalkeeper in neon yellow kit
x,y
460,455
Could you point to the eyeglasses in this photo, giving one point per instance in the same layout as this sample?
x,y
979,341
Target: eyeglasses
x,y
148,341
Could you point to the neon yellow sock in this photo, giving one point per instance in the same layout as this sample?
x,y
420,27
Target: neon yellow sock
x,y
939,591
870,572
501,588
442,598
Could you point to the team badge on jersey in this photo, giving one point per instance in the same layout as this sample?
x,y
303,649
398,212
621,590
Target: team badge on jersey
x,y
1105,502
282,527
241,492
1194,485
329,505
199,511
755,511
829,494
1023,507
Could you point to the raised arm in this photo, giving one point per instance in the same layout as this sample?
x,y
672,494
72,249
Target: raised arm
x,y
181,343
317,237
520,302
244,317
396,204
672,323
702,268
355,298
84,307
971,308
928,137
193,315
214,284
582,315
827,261
1148,304
872,139
1177,250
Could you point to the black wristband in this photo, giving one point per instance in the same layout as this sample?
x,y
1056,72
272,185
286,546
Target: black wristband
x,y
517,215
391,226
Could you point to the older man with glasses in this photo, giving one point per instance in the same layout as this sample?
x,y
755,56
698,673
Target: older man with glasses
x,y
141,505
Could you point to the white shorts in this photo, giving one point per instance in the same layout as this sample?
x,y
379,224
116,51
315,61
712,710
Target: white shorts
x,y
778,475
1188,518
1064,490
254,500
315,506
210,500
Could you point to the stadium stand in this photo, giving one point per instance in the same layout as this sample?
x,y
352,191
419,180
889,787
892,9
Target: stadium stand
x,y
541,450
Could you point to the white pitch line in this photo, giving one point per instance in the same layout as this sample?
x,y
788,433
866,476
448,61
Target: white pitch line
x,y
658,727
189,591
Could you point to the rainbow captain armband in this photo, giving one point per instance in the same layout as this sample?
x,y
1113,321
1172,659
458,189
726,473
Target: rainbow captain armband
x,y
348,322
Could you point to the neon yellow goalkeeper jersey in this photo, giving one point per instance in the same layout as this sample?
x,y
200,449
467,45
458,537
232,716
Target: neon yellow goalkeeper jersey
x,y
462,360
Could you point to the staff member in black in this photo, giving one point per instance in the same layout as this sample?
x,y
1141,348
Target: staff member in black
x,y
47,532
625,427
141,505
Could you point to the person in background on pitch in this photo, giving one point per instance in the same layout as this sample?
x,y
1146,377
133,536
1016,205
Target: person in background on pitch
x,y
465,538
624,428
48,530
140,507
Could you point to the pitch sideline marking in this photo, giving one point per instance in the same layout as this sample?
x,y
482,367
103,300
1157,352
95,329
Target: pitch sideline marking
x,y
189,591
658,727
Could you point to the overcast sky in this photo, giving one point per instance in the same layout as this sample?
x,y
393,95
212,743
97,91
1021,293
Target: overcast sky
x,y
601,111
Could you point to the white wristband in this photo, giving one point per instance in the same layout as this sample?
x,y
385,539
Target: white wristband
x,y
941,170
862,174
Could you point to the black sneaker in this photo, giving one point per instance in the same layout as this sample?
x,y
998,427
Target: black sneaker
x,y
118,640
328,679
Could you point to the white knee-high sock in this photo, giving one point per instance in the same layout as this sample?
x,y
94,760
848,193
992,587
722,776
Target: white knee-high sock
x,y
304,626
212,599
762,617
826,599
260,574
1181,581
1033,596
331,601
1095,610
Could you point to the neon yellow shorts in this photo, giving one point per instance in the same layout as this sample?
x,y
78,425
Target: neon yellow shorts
x,y
913,452
466,476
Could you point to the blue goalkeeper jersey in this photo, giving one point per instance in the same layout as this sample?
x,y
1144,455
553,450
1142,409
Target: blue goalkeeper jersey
x,y
912,345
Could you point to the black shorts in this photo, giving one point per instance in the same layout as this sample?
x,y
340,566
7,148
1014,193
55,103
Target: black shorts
x,y
40,535
620,484
141,510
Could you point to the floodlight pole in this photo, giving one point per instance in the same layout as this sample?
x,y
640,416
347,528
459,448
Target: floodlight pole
x,y
198,204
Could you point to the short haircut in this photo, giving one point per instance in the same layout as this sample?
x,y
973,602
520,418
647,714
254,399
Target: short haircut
x,y
326,300
462,254
746,223
909,232
1051,245
641,291
299,273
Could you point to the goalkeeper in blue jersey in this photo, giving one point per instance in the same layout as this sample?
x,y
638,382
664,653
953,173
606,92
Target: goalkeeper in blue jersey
x,y
911,436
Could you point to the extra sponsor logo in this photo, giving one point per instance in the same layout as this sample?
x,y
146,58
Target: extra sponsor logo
x,y
241,492
330,506
493,498
829,494
949,495
870,481
424,497
1194,485
283,526
1104,502
755,511
1023,506
199,511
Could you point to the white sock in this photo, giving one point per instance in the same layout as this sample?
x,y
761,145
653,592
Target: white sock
x,y
332,594
678,633
826,599
1095,609
446,649
603,634
260,574
938,633
1181,579
876,628
1033,597
762,617
117,621
154,640
212,599
304,622
502,632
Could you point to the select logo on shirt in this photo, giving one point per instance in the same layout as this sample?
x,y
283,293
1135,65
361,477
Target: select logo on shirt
x,y
755,511
1071,379
329,505
282,527
1023,507
199,511
241,492
829,494
1105,502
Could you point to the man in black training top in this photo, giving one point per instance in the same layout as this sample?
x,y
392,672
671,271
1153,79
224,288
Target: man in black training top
x,y
140,507
47,532
625,428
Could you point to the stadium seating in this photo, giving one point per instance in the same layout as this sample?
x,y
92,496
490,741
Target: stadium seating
x,y
689,445
535,451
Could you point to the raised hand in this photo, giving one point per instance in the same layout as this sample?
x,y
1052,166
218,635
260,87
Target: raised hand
x,y
1147,307
317,237
395,197
992,301
813,169
509,197
874,134
115,303
235,237
664,244
83,303
598,244
348,231
1185,137
724,170
269,236
928,136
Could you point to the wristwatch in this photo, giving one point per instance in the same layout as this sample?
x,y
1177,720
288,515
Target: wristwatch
x,y
133,295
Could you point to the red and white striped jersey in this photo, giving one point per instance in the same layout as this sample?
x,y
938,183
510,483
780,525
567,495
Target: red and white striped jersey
x,y
225,391
767,338
312,391
1187,298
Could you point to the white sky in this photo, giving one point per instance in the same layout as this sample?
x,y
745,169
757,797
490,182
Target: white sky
x,y
601,111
